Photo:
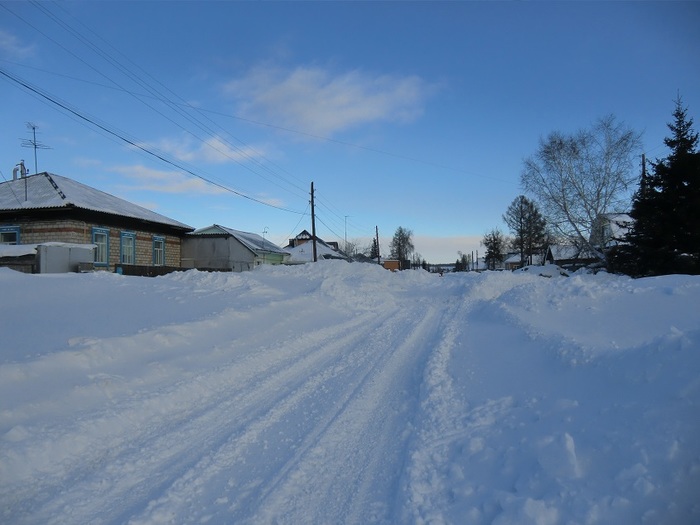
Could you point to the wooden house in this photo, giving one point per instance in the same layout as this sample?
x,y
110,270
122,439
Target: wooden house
x,y
49,208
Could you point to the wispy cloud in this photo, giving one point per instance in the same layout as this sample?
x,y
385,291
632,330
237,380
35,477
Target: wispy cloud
x,y
214,150
12,48
320,101
164,181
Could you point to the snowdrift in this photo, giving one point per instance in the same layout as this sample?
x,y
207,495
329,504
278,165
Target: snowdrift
x,y
343,393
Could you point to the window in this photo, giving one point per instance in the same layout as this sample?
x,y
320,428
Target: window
x,y
9,234
128,248
100,237
158,251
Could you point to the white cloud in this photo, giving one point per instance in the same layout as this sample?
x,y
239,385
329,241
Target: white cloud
x,y
321,102
11,47
165,181
214,150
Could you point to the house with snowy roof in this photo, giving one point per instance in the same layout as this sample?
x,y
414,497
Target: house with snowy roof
x,y
48,208
610,229
569,256
301,249
217,247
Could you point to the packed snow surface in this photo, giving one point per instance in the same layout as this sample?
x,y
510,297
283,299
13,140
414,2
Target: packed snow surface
x,y
343,393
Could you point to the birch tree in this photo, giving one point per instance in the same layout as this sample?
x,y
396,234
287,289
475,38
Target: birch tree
x,y
575,178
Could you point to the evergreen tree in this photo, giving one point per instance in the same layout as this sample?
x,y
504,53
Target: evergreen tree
x,y
495,244
665,236
527,226
401,246
374,250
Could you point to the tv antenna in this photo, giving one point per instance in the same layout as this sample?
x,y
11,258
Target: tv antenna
x,y
33,143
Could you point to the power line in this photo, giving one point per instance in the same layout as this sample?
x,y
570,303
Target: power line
x,y
154,93
134,144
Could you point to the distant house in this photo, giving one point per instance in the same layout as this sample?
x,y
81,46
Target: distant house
x,y
392,264
512,260
300,249
569,256
49,208
610,229
219,248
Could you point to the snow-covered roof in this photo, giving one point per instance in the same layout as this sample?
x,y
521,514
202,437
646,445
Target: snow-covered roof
x,y
304,253
48,190
619,224
562,252
17,250
252,241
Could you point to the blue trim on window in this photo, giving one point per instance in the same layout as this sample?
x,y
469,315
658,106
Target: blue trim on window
x,y
122,237
101,231
158,239
11,229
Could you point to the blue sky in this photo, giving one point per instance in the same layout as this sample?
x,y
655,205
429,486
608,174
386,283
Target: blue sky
x,y
413,114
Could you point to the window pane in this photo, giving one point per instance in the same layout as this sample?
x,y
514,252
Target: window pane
x,y
158,252
128,242
8,237
100,239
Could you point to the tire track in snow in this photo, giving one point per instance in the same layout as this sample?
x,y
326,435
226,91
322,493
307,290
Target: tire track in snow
x,y
154,444
340,465
441,415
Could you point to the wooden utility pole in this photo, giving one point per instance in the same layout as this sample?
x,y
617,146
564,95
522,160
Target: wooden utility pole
x,y
379,258
313,223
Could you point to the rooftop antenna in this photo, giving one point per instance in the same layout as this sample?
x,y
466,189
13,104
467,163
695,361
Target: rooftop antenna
x,y
27,143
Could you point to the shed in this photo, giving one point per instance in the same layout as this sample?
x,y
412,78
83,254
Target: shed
x,y
217,247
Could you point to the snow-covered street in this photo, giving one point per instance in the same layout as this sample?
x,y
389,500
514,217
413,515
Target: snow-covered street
x,y
344,393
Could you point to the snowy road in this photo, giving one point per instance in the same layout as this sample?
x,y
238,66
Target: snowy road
x,y
340,395
305,417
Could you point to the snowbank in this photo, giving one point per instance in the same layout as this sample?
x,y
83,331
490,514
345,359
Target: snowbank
x,y
344,393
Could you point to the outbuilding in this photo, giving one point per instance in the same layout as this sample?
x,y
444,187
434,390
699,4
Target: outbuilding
x,y
220,248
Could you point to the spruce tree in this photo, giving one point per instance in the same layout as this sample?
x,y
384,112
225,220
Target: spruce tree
x,y
495,244
527,226
665,237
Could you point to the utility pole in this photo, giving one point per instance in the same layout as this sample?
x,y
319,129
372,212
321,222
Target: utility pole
x,y
313,223
379,258
26,143
263,244
346,234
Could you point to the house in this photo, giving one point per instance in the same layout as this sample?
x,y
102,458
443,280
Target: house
x,y
48,208
569,257
219,248
300,249
512,260
610,229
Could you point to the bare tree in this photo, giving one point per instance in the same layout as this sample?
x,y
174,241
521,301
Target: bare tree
x,y
577,177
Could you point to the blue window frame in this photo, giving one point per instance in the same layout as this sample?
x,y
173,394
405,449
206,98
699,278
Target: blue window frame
x,y
9,234
100,238
158,251
128,248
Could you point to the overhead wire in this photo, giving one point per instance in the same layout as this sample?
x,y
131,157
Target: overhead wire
x,y
134,144
155,94
175,106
